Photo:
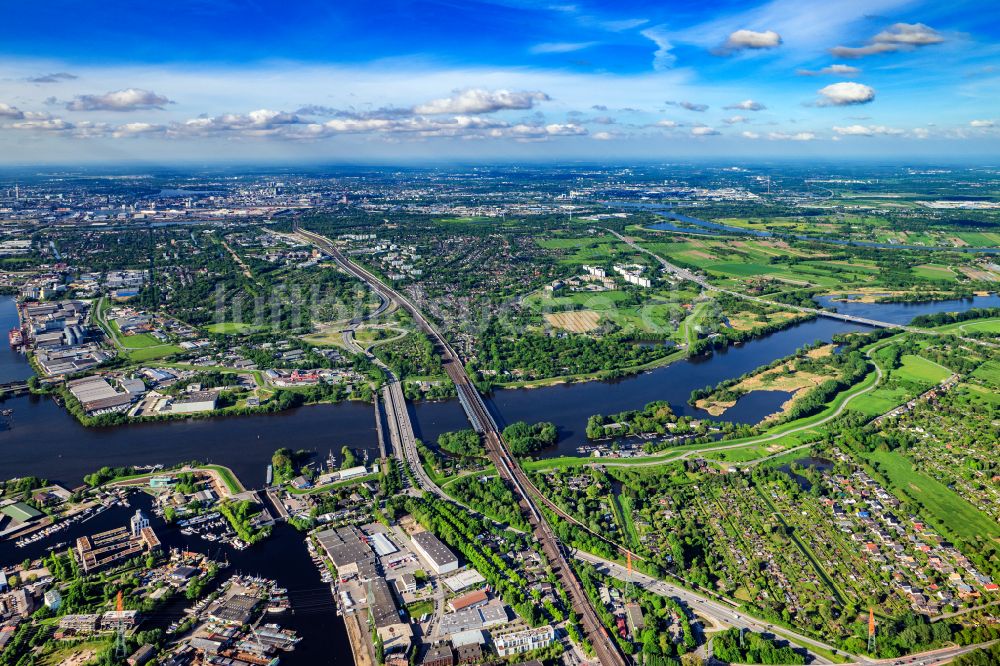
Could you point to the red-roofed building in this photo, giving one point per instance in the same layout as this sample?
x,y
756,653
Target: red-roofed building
x,y
470,600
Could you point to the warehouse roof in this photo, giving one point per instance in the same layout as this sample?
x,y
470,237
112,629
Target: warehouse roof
x,y
435,550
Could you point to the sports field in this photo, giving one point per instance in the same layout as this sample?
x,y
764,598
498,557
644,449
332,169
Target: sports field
x,y
581,321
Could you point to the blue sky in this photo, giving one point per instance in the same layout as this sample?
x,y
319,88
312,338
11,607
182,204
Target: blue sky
x,y
502,79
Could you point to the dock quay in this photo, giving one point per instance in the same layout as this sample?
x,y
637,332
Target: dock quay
x,y
357,632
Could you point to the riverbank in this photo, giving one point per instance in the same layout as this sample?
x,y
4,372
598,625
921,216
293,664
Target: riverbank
x,y
361,646
602,376
806,427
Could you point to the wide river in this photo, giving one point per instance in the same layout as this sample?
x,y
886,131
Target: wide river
x,y
44,440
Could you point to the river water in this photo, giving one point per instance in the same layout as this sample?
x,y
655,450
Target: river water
x,y
46,441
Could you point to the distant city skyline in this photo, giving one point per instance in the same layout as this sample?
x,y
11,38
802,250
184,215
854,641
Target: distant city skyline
x,y
498,80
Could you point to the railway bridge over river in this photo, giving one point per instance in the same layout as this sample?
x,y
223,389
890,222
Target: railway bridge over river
x,y
605,648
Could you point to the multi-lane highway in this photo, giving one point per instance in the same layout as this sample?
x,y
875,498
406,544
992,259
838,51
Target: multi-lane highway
x,y
605,647
401,434
719,609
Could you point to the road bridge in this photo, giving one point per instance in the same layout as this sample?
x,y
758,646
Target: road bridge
x,y
605,648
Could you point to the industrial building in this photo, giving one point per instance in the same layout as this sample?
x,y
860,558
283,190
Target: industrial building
x,y
490,615
191,403
436,554
470,600
16,515
97,396
396,634
382,545
350,554
463,580
236,610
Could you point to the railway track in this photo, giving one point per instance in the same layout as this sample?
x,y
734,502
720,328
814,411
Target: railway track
x,y
604,646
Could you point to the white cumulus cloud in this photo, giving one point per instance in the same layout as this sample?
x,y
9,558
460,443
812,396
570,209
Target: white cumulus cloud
x,y
46,125
796,136
897,37
746,105
130,99
974,123
690,106
748,39
137,129
478,100
867,130
832,70
8,111
846,93
703,130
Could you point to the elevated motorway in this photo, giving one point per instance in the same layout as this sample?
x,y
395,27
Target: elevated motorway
x,y
472,402
402,437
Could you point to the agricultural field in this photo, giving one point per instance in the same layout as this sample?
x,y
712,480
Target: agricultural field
x,y
889,227
906,375
582,321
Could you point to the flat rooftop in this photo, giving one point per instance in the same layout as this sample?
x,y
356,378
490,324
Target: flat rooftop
x,y
345,545
434,549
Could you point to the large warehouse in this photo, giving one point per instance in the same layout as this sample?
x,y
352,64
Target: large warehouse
x,y
435,553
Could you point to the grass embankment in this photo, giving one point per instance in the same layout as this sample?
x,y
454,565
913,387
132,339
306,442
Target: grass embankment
x,y
232,482
336,484
227,475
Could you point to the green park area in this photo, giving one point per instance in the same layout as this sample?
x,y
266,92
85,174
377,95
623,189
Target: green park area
x,y
231,328
144,347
